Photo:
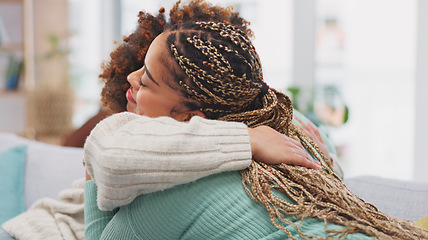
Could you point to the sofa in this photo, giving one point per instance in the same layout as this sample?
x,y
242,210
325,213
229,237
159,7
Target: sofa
x,y
49,169
44,171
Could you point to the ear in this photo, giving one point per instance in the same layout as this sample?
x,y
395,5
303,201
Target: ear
x,y
185,117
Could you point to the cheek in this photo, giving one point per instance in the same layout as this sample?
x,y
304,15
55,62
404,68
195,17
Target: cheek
x,y
147,104
142,100
154,104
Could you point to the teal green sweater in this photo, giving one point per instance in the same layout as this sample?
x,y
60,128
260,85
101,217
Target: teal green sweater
x,y
215,207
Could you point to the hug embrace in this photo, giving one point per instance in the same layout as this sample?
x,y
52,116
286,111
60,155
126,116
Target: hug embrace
x,y
205,149
196,145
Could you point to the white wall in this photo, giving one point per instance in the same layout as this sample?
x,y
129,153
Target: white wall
x,y
421,97
272,24
377,79
379,86
303,42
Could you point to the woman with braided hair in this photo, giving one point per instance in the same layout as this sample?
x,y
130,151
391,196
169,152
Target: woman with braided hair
x,y
209,69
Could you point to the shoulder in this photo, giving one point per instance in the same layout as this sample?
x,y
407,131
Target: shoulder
x,y
196,195
210,208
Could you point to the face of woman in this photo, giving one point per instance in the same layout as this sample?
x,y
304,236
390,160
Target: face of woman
x,y
149,94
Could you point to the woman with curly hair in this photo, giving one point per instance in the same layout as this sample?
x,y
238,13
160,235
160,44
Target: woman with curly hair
x,y
192,71
130,54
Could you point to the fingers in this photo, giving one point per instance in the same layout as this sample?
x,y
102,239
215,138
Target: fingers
x,y
305,128
314,130
313,165
300,157
311,131
291,141
272,147
309,163
308,129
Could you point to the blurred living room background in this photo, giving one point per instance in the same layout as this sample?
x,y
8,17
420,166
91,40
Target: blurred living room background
x,y
356,68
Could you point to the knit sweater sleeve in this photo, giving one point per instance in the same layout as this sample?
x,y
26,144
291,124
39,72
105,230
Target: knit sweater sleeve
x,y
128,154
95,219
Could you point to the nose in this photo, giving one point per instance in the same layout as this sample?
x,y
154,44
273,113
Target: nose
x,y
134,79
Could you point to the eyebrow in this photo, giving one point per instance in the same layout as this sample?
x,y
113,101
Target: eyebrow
x,y
150,76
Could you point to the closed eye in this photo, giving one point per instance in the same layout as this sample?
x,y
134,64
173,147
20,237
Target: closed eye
x,y
142,84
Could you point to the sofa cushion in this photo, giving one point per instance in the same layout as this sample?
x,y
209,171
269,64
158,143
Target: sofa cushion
x,y
49,168
12,166
397,198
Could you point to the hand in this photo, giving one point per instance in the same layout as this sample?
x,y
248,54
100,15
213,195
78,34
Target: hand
x,y
271,147
312,132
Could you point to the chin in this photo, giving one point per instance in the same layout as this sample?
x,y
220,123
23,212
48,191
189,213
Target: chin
x,y
130,108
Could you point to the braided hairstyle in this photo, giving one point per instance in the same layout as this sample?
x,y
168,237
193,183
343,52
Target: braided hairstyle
x,y
220,69
130,53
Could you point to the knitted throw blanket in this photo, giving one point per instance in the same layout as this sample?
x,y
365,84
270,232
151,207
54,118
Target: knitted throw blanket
x,y
52,219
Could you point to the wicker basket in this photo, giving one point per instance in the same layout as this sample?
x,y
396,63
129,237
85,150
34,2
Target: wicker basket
x,y
51,112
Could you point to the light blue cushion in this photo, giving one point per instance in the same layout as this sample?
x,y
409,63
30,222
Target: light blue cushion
x,y
12,167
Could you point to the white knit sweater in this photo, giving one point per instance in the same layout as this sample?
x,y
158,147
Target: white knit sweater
x,y
128,154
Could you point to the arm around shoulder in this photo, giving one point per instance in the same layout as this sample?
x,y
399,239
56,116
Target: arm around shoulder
x,y
127,154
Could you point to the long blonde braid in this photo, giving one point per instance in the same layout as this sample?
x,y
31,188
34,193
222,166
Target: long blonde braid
x,y
223,73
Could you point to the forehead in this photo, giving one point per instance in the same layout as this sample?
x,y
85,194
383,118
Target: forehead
x,y
157,48
156,58
160,63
